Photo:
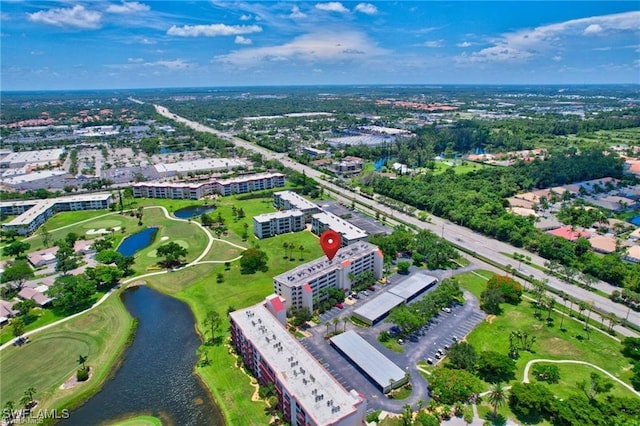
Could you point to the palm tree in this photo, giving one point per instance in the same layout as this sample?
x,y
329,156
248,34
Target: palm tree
x,y
550,304
301,248
81,360
345,320
565,297
581,307
335,322
612,319
327,324
497,397
285,245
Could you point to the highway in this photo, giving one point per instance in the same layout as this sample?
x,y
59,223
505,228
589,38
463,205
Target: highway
x,y
458,235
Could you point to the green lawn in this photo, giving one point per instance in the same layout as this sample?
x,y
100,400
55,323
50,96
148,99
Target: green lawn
x,y
44,316
188,235
551,343
458,166
50,358
139,421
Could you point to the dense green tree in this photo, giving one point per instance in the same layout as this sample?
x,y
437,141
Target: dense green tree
x,y
631,347
299,316
105,277
546,373
16,249
495,367
510,289
577,410
173,254
213,322
67,259
253,260
497,396
16,273
72,293
448,386
490,300
462,355
530,400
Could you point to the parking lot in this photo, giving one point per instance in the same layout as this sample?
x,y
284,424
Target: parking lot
x,y
419,346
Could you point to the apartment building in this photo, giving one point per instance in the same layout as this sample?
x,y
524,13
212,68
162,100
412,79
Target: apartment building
x,y
301,286
308,395
289,200
33,213
270,224
195,191
350,233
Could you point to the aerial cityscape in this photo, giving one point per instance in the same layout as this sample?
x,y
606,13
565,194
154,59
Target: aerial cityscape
x,y
320,213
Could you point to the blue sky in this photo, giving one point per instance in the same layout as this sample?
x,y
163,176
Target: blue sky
x,y
142,44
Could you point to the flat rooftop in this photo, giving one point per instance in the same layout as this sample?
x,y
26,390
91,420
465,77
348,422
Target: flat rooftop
x,y
413,285
350,231
379,306
377,366
321,396
319,267
266,217
201,164
296,200
40,206
42,155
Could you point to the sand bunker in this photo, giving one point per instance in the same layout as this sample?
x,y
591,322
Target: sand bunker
x,y
102,230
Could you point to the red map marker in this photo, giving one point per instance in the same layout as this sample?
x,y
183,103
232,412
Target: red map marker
x,y
330,241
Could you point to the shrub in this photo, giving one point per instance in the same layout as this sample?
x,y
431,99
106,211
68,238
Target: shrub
x,y
83,374
546,373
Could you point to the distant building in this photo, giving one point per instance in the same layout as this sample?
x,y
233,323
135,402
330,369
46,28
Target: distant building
x,y
307,394
204,164
270,224
350,233
314,152
348,166
33,213
633,254
570,233
22,158
300,286
195,191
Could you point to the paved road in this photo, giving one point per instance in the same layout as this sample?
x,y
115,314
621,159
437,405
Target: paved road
x,y
456,234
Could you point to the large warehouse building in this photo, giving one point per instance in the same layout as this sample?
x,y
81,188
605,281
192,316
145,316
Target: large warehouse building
x,y
378,368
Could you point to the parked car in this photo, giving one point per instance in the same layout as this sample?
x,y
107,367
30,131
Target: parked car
x,y
400,341
454,338
438,356
339,305
447,310
371,288
446,347
429,361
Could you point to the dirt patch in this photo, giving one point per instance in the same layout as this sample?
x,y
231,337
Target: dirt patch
x,y
490,318
558,347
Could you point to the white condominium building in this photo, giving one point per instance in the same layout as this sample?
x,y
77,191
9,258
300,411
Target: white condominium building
x,y
270,224
33,213
195,191
322,221
308,395
300,286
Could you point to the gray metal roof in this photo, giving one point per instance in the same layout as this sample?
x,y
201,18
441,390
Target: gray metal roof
x,y
413,285
379,306
377,366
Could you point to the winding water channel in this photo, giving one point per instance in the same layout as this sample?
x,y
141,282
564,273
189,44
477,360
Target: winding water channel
x,y
156,375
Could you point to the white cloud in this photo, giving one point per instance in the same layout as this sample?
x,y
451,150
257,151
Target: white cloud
x,y
213,30
525,44
593,29
138,63
433,43
464,44
296,13
77,16
128,7
245,18
313,47
366,8
332,6
557,58
242,40
37,52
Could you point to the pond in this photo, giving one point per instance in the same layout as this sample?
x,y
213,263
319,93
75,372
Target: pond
x,y
635,220
192,211
130,245
156,375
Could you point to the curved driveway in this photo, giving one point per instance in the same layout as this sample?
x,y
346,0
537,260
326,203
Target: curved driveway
x,y
456,234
